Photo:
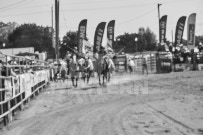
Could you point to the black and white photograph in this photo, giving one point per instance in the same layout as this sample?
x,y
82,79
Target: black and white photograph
x,y
101,67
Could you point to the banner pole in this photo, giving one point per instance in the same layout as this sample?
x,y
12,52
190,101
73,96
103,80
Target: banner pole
x,y
159,18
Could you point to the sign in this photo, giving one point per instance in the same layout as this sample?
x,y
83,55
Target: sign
x,y
98,37
81,34
179,30
162,29
191,31
191,34
110,36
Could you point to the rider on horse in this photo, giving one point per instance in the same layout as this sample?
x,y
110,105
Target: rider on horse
x,y
74,71
111,67
89,68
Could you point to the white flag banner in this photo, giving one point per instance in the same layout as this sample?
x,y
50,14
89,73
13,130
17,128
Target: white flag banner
x,y
191,31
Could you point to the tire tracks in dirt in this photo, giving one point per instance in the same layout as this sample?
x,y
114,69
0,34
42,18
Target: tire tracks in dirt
x,y
123,115
178,125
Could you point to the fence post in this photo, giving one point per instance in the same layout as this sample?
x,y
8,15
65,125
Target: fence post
x,y
22,104
151,61
8,118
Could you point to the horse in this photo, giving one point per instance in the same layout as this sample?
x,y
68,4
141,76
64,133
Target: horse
x,y
105,71
86,68
101,67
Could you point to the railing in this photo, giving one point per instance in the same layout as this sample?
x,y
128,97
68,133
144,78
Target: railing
x,y
20,79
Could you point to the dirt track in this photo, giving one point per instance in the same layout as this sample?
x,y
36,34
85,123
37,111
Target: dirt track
x,y
172,106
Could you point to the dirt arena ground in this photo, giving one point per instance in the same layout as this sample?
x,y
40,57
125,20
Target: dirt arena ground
x,y
157,104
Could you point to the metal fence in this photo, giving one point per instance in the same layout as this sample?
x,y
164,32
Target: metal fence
x,y
20,78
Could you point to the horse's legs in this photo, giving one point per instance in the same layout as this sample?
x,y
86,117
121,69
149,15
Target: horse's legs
x,y
72,78
99,78
76,82
83,78
88,76
63,78
109,76
104,77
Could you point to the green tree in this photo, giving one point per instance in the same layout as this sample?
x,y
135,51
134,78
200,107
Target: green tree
x,y
31,35
149,40
146,41
5,30
70,40
198,39
126,40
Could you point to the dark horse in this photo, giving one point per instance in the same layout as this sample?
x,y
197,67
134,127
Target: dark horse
x,y
101,67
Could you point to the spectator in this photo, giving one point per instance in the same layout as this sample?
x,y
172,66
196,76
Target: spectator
x,y
144,65
131,65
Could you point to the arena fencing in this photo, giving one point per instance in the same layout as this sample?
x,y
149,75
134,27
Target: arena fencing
x,y
151,64
157,62
120,63
17,89
161,62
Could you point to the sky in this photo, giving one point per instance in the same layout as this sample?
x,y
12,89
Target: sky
x,y
129,15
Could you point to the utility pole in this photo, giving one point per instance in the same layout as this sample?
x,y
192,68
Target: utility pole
x,y
57,28
172,36
52,28
159,10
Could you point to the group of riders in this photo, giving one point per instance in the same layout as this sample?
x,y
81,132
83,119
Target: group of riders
x,y
84,67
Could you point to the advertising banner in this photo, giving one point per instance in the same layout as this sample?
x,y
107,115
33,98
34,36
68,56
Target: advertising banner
x,y
8,87
22,83
110,35
162,29
27,85
98,37
191,31
179,30
16,85
81,34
